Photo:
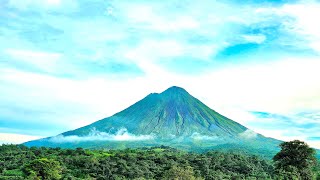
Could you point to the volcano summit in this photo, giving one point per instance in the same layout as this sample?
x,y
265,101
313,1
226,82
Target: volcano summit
x,y
171,118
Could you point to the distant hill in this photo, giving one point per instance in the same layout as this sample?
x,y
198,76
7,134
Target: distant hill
x,y
171,118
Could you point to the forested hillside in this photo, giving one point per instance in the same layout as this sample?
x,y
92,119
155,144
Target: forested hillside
x,y
21,162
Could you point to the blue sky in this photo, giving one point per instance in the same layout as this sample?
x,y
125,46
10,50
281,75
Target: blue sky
x,y
68,63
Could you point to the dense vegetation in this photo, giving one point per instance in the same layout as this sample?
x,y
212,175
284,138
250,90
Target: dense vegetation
x,y
21,162
296,160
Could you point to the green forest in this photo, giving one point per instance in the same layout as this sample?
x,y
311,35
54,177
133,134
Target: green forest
x,y
295,161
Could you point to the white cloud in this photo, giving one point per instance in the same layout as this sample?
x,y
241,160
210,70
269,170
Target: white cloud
x,y
237,114
254,38
162,19
54,2
44,5
198,136
146,15
155,50
305,14
29,3
31,55
289,134
83,100
44,60
282,134
6,138
314,144
248,134
280,86
120,135
150,52
285,128
272,87
98,36
303,26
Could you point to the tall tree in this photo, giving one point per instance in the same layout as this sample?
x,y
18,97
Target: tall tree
x,y
180,173
43,169
296,158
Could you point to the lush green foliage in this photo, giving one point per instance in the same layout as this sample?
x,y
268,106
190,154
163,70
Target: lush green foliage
x,y
296,159
21,162
43,168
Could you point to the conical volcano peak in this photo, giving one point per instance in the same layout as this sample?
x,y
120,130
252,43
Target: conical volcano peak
x,y
175,90
171,118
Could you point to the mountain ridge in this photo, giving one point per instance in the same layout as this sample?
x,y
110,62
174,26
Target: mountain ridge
x,y
172,117
176,109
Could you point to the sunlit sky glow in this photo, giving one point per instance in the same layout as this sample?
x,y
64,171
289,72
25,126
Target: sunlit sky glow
x,y
68,63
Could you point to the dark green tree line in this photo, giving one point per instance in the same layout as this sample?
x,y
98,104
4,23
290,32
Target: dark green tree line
x,y
294,161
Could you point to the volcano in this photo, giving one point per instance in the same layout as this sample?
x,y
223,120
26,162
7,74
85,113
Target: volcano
x,y
172,118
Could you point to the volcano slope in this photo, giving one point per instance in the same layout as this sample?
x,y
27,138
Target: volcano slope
x,y
172,118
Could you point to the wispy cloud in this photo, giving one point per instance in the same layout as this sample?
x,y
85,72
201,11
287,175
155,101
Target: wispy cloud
x,y
11,138
120,135
41,5
304,24
44,61
248,134
259,38
198,136
302,126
